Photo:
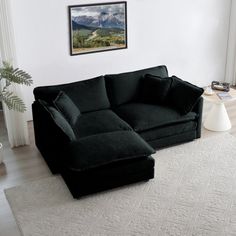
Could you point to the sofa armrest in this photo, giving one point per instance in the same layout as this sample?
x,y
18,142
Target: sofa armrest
x,y
198,108
49,138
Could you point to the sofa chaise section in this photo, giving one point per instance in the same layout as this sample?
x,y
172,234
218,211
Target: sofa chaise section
x,y
106,160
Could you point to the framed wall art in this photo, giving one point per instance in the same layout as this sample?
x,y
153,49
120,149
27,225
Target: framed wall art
x,y
97,27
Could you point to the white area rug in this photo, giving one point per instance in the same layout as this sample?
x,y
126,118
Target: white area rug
x,y
193,193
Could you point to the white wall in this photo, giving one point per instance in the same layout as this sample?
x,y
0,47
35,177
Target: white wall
x,y
230,73
190,37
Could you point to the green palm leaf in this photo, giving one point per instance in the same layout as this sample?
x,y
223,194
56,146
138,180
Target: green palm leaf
x,y
13,102
11,75
15,75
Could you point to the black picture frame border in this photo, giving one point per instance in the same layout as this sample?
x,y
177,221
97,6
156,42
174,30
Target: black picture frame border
x,y
96,4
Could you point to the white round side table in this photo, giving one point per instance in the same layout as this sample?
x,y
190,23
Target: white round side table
x,y
217,119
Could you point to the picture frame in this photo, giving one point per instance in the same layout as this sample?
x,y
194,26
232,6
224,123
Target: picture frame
x,y
97,27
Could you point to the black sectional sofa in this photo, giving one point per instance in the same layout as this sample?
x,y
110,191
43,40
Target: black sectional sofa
x,y
101,133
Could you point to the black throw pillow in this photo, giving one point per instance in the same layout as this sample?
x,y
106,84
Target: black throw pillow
x,y
183,95
154,89
67,107
59,120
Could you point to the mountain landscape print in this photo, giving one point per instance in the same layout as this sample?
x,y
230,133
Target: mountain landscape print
x,y
98,27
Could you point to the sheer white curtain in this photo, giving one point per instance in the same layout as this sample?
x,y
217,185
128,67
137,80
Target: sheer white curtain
x,y
15,121
230,73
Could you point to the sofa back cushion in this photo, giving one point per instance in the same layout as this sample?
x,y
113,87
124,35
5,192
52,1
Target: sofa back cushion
x,y
88,95
154,89
57,119
67,107
123,88
183,95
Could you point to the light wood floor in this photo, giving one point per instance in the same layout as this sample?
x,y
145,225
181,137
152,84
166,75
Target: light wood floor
x,y
25,164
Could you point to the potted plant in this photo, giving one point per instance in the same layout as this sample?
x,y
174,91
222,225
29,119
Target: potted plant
x,y
8,76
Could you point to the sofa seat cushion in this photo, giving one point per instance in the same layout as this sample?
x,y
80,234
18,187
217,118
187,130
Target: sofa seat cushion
x,y
168,131
102,149
99,122
142,116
